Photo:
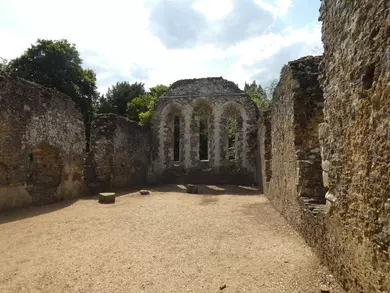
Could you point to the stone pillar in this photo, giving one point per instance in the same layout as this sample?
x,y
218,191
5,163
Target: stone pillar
x,y
187,136
215,149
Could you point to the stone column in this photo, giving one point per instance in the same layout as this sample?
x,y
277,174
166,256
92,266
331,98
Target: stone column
x,y
187,136
215,144
244,128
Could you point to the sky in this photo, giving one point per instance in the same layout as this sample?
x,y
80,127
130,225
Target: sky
x,y
161,41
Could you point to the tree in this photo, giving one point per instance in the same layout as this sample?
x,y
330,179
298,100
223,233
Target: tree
x,y
140,109
57,64
3,64
257,94
271,87
118,96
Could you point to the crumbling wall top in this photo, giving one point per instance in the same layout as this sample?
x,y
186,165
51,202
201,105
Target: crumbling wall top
x,y
202,86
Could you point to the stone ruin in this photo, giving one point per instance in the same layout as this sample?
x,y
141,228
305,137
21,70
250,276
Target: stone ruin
x,y
321,154
42,145
195,115
119,154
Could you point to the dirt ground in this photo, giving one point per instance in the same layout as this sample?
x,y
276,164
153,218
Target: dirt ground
x,y
168,241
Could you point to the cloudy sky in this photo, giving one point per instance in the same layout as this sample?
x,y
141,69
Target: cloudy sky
x,y
161,41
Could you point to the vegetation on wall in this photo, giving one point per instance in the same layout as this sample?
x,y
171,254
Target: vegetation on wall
x,y
57,64
3,64
118,96
262,97
140,109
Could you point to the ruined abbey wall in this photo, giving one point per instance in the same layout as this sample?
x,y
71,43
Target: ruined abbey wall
x,y
42,143
119,153
330,145
291,153
218,101
265,147
356,140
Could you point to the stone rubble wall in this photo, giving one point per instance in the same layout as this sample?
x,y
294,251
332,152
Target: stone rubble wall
x,y
356,141
293,174
218,168
350,231
202,86
265,149
119,153
42,145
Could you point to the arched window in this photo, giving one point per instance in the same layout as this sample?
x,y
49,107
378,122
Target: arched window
x,y
176,139
203,138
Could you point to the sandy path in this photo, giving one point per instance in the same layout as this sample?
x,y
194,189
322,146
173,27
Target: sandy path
x,y
167,242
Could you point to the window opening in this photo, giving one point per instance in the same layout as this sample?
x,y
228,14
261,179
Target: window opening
x,y
232,131
203,139
176,138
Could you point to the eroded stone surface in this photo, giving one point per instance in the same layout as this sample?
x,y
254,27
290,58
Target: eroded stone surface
x,y
42,145
349,154
119,153
292,157
356,141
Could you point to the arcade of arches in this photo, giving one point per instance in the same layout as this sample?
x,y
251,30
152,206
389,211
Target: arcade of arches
x,y
208,137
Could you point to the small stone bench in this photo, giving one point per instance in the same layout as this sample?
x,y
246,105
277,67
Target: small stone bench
x,y
191,188
107,197
144,192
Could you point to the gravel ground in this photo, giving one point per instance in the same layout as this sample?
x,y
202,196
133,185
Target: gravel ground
x,y
168,241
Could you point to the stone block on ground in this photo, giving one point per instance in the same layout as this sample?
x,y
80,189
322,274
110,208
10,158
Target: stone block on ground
x,y
191,188
144,192
107,197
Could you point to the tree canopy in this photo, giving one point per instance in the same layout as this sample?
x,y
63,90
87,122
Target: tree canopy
x,y
118,96
257,94
3,64
57,64
140,109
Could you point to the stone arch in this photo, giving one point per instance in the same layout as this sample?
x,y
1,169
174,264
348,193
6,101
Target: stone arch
x,y
166,133
44,173
234,112
202,115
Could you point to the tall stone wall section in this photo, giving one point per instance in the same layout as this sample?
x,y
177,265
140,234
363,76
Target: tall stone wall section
x,y
346,219
219,100
356,141
119,153
291,153
265,147
42,145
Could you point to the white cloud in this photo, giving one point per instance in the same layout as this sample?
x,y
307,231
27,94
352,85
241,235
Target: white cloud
x,y
213,10
276,7
115,40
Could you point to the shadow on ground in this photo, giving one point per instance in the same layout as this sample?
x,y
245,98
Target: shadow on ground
x,y
205,190
33,211
212,189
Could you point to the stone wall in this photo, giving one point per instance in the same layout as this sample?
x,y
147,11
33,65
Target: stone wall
x,y
291,158
219,100
42,145
265,149
119,153
356,141
350,231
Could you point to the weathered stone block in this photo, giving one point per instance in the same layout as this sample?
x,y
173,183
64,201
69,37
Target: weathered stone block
x,y
192,189
144,192
107,197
